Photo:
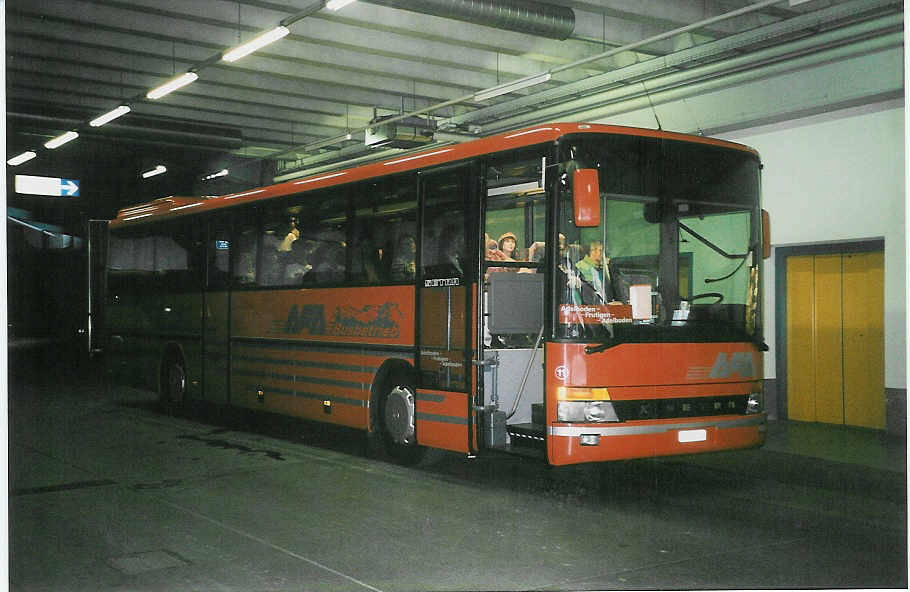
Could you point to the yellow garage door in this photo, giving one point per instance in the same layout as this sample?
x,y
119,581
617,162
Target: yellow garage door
x,y
835,339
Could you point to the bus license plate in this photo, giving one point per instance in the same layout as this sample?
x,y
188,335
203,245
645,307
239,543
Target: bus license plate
x,y
692,435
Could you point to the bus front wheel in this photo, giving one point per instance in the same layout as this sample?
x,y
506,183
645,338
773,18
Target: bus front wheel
x,y
394,424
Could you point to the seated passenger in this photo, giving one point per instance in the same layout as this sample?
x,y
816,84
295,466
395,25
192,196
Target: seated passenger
x,y
289,239
404,266
329,264
507,244
536,253
299,265
595,271
494,254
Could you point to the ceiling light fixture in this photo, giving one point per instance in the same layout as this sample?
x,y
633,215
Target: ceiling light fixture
x,y
221,173
255,43
24,157
508,87
110,116
155,171
337,4
61,140
172,85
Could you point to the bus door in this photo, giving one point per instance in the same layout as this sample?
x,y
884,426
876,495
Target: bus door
x,y
512,301
97,284
444,404
216,316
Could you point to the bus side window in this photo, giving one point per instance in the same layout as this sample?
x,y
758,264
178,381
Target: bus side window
x,y
381,240
245,244
365,252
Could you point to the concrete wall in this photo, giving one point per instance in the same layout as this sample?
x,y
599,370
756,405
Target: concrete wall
x,y
839,177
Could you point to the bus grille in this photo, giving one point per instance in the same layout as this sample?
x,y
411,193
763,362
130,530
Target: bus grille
x,y
674,408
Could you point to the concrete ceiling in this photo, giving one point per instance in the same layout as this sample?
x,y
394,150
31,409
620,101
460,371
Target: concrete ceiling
x,y
293,103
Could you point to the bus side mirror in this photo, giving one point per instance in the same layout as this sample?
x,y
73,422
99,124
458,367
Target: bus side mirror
x,y
586,197
765,234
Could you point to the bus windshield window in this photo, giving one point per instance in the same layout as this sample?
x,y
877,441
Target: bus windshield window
x,y
673,257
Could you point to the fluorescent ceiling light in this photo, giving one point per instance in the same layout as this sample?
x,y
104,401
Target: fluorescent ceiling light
x,y
24,157
110,116
336,4
255,43
155,171
221,173
61,140
511,86
172,85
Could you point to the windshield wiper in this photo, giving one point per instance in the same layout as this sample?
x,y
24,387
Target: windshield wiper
x,y
732,273
596,349
713,247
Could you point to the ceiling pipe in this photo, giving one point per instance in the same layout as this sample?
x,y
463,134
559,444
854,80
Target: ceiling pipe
x,y
521,16
702,79
591,89
471,97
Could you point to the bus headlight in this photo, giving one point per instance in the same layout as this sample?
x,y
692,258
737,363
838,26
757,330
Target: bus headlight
x,y
755,402
585,411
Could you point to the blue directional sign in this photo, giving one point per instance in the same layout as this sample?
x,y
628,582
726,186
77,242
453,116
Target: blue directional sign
x,y
33,185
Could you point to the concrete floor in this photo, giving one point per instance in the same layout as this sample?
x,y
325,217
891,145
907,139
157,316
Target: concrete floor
x,y
108,493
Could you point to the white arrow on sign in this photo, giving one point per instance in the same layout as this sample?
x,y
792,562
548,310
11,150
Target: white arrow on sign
x,y
69,187
33,185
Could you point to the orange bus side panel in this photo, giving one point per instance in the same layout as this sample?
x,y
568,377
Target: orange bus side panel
x,y
333,387
382,315
442,420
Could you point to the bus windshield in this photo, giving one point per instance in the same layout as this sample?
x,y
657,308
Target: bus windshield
x,y
674,257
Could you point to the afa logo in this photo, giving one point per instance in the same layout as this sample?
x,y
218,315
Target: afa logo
x,y
309,318
726,365
371,320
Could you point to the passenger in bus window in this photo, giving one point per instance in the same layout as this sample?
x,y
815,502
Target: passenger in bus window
x,y
329,266
494,254
404,262
452,260
594,269
299,265
536,253
292,235
508,244
245,269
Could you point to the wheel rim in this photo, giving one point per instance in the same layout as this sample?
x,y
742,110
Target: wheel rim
x,y
398,416
176,382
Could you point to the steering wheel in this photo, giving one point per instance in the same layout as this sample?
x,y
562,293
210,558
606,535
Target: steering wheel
x,y
718,295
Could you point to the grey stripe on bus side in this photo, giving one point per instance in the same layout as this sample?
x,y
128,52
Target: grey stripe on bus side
x,y
318,397
441,418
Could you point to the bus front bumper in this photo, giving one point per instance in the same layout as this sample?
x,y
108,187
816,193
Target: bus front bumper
x,y
570,443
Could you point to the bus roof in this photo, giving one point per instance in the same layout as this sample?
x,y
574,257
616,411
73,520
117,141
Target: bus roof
x,y
173,206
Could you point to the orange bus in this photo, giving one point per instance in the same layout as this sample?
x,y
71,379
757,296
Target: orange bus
x,y
575,292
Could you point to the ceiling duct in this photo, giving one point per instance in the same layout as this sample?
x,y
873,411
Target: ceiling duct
x,y
522,16
408,133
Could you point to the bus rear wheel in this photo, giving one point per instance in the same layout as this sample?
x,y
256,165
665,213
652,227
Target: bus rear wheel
x,y
172,385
